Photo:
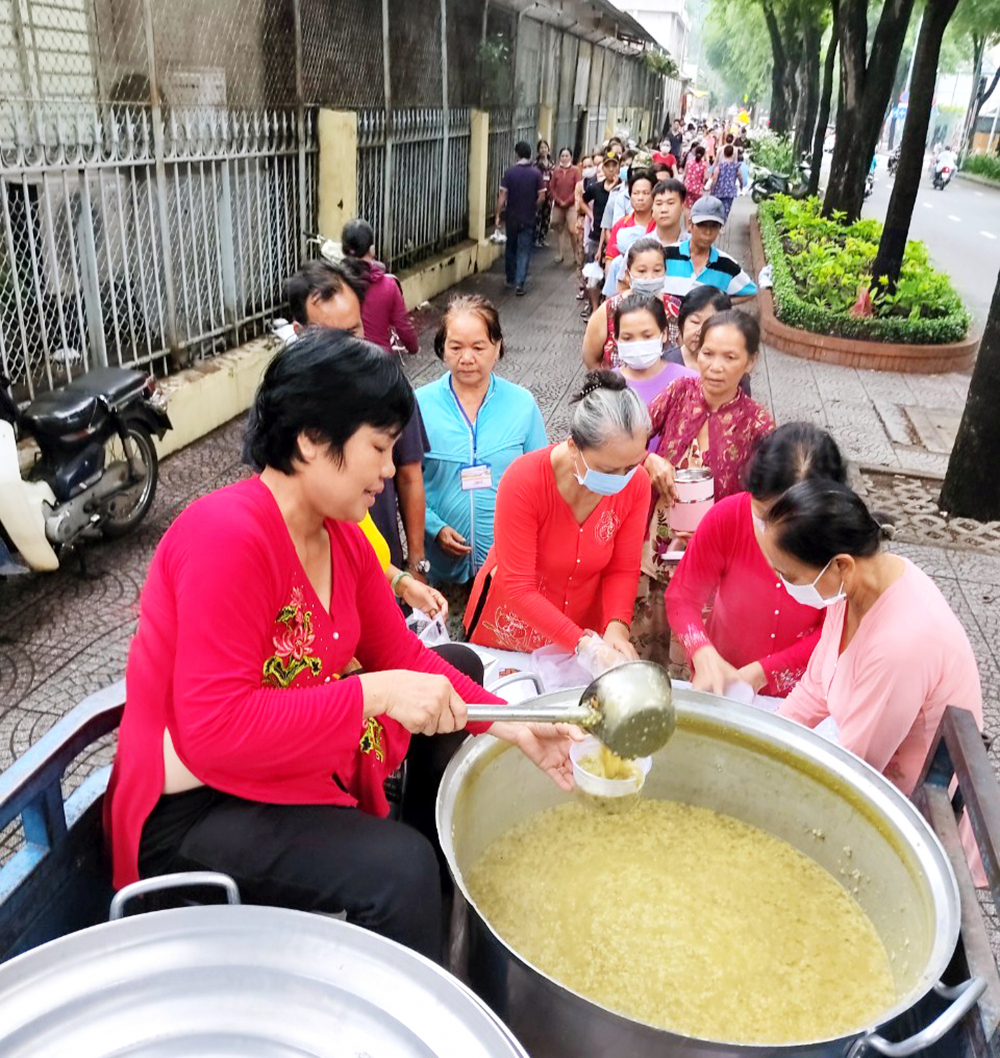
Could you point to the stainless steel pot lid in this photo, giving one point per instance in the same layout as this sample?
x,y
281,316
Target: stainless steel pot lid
x,y
239,982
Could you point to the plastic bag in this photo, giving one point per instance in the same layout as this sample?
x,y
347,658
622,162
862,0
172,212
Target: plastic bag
x,y
431,631
593,273
558,670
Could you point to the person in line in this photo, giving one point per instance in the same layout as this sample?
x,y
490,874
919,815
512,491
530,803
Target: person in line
x,y
272,683
640,323
668,228
892,656
697,422
756,633
383,310
562,193
676,137
645,269
569,526
695,308
327,295
522,191
596,200
543,217
478,424
725,179
696,261
695,170
631,227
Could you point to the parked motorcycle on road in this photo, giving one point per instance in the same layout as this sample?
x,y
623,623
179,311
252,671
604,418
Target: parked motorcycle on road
x,y
96,471
767,184
942,177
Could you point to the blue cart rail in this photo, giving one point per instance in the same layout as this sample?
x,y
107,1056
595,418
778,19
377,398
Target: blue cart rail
x,y
59,880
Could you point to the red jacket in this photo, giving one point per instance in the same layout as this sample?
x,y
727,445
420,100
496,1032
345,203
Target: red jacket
x,y
239,660
384,310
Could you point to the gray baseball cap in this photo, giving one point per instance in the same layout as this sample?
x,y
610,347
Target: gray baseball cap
x,y
708,209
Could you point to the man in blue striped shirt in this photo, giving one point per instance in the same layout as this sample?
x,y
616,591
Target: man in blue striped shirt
x,y
696,261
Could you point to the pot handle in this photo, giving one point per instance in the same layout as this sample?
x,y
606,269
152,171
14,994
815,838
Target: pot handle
x,y
172,881
516,677
964,998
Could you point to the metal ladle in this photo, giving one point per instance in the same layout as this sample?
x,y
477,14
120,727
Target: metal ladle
x,y
629,708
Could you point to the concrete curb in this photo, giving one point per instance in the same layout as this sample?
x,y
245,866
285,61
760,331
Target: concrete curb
x,y
975,178
855,352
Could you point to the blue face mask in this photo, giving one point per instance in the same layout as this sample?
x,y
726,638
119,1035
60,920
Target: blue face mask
x,y
602,483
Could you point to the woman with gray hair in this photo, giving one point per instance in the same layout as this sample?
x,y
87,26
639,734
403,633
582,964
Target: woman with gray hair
x,y
570,521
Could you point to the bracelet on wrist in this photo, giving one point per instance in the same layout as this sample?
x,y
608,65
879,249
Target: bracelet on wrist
x,y
394,583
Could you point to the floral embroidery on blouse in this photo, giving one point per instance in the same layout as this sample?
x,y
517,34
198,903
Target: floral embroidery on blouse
x,y
292,643
373,738
607,527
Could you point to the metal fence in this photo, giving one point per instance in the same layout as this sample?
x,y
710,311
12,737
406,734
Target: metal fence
x,y
413,180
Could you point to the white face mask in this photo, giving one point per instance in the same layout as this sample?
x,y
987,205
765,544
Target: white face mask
x,y
589,171
640,354
651,285
808,594
759,524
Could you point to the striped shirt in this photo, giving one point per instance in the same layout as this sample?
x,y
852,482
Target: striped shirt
x,y
722,272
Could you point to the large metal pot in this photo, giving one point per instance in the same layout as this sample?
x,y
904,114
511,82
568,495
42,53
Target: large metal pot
x,y
238,982
756,767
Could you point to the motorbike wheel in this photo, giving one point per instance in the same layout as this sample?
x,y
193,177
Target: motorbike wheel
x,y
127,509
759,195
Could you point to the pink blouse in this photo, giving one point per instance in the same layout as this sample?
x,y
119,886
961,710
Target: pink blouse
x,y
908,660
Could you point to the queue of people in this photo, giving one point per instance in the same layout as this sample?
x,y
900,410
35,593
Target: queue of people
x,y
274,687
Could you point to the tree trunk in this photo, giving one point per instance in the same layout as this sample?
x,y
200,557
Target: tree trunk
x,y
889,259
779,72
809,88
978,51
970,486
865,87
982,95
823,118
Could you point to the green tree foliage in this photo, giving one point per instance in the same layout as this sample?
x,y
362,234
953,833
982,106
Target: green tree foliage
x,y
977,24
738,49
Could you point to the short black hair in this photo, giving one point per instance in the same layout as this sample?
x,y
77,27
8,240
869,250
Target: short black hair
x,y
701,298
641,303
742,321
663,186
325,384
794,452
522,149
323,280
640,174
357,238
818,519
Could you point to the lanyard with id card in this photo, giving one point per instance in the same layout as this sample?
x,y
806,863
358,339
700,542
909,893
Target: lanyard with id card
x,y
474,475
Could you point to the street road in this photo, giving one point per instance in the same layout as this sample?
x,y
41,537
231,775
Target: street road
x,y
961,226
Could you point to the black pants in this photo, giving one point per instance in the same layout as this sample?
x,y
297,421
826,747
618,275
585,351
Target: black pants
x,y
383,873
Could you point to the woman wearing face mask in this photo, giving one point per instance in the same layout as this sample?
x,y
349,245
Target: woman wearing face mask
x,y
645,269
697,422
755,633
640,324
892,654
569,526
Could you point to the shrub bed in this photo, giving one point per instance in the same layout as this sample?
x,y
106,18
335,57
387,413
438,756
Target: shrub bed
x,y
819,265
987,165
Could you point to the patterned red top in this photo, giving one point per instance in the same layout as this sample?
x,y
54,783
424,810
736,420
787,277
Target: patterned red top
x,y
753,618
237,657
548,578
734,430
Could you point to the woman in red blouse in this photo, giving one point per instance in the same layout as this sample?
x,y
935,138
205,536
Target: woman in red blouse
x,y
569,527
273,685
707,421
756,632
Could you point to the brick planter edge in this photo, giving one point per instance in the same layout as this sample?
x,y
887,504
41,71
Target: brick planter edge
x,y
854,352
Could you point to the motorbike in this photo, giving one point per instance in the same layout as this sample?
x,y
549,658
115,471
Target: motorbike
x,y
96,470
894,161
869,184
767,184
942,177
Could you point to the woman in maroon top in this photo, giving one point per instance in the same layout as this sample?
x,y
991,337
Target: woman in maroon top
x,y
756,632
562,190
273,687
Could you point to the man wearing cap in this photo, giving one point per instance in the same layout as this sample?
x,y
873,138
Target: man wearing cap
x,y
697,262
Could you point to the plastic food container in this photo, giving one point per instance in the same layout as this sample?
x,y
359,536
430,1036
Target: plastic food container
x,y
696,494
596,785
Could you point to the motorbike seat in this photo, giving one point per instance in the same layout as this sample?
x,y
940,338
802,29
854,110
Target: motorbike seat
x,y
78,405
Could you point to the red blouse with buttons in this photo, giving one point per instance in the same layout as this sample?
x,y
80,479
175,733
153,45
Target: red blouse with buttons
x,y
753,618
547,578
236,657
